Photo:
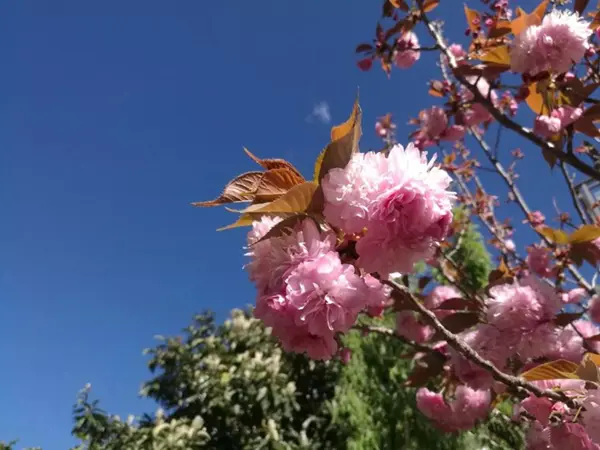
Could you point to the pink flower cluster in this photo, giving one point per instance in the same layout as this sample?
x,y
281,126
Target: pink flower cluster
x,y
434,127
560,41
461,413
519,324
407,52
474,113
402,200
305,293
557,426
547,126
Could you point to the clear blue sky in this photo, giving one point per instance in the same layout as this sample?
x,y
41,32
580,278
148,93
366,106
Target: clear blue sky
x,y
114,116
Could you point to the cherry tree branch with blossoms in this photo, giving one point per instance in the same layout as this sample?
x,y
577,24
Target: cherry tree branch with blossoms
x,y
327,253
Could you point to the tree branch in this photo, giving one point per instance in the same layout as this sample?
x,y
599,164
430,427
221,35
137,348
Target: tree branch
x,y
503,119
455,342
518,196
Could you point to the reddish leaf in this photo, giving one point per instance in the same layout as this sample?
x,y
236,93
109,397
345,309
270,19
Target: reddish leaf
x,y
586,233
275,183
240,189
344,143
580,6
243,221
497,55
588,370
584,252
296,200
457,303
549,157
564,319
398,27
286,226
555,370
402,301
594,357
400,4
594,338
365,64
430,5
586,126
555,236
364,48
457,323
595,21
502,28
273,163
593,112
473,19
423,282
540,100
526,20
427,367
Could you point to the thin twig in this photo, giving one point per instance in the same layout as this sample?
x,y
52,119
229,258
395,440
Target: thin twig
x,y
573,193
520,200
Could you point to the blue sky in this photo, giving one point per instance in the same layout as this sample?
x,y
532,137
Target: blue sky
x,y
114,116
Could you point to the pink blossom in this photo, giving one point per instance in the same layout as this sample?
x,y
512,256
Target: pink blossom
x,y
509,102
434,127
458,52
538,437
408,325
376,295
587,329
547,126
345,355
568,345
411,213
380,129
574,295
272,258
491,344
594,309
461,413
591,416
406,55
439,295
536,218
560,41
305,293
538,260
349,192
477,113
510,245
537,342
522,304
324,294
538,407
571,436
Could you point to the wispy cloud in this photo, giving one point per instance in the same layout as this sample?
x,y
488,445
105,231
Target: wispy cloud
x,y
321,113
